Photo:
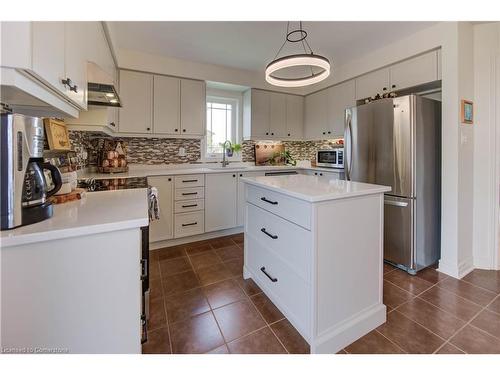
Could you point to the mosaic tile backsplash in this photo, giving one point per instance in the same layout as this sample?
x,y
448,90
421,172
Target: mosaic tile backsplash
x,y
165,150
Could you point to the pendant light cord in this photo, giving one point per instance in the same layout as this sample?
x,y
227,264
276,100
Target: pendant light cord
x,y
302,41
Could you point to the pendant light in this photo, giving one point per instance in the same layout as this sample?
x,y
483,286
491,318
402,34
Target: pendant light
x,y
318,66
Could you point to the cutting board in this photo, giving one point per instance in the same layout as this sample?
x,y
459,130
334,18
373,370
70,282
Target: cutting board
x,y
269,154
76,194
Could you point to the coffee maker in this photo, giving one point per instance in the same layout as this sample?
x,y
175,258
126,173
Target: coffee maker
x,y
23,188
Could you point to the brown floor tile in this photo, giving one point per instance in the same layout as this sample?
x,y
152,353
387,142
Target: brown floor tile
x,y
431,275
198,247
290,337
198,334
261,342
248,285
436,320
408,335
154,255
238,238
180,283
373,343
217,243
495,305
488,321
410,283
154,269
267,309
230,252
157,317
171,252
235,267
449,349
220,350
204,259
212,274
487,279
472,340
174,266
450,302
238,319
394,296
341,351
155,290
158,342
388,268
186,304
468,291
223,293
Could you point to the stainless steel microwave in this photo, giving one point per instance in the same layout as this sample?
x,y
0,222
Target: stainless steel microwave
x,y
331,158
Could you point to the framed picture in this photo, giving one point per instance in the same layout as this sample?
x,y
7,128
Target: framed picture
x,y
467,112
57,134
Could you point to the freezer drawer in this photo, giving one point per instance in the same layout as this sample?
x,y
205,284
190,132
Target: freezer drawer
x,y
398,231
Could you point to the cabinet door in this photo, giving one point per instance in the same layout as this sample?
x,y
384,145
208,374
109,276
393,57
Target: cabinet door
x,y
166,104
136,93
277,114
340,97
294,117
220,201
260,107
78,46
372,83
315,121
162,229
193,107
415,71
48,53
241,194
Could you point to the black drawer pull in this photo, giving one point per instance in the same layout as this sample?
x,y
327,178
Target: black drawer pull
x,y
195,193
189,180
189,205
273,279
273,236
189,224
268,201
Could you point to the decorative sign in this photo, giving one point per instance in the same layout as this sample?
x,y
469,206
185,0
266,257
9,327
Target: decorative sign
x,y
467,112
57,134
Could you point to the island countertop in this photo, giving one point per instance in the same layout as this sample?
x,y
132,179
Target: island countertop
x,y
97,212
313,188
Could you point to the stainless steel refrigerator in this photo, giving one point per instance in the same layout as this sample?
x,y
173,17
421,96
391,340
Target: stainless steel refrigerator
x,y
397,142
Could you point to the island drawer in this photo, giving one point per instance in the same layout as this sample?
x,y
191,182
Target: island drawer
x,y
189,224
289,291
189,205
189,193
289,241
289,208
191,180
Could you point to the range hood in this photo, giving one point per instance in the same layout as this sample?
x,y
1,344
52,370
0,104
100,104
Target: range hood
x,y
101,87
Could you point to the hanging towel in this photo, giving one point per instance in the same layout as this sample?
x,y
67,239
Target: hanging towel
x,y
154,207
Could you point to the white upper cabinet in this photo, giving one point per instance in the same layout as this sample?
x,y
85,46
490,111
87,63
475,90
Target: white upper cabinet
x,y
316,114
415,71
221,191
294,117
193,107
277,115
256,111
136,93
373,83
166,112
77,51
340,97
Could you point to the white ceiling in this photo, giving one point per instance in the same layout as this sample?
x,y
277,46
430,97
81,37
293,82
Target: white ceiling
x,y
251,45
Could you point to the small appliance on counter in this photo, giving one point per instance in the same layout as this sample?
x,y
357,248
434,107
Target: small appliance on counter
x,y
330,158
24,189
112,158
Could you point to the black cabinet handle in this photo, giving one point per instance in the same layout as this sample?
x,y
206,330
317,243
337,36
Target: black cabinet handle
x,y
321,174
393,86
148,129
273,236
273,279
234,175
189,180
189,224
288,134
329,132
267,133
272,133
112,124
385,89
324,132
190,193
184,130
268,201
241,175
189,205
176,130
170,179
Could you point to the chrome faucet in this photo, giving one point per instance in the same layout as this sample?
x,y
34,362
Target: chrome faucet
x,y
224,161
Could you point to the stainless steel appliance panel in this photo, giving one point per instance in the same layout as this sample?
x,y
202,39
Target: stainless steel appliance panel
x,y
399,243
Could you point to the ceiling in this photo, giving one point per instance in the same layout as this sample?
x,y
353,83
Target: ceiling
x,y
251,45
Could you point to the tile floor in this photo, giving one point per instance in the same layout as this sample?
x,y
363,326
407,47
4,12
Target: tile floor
x,y
200,303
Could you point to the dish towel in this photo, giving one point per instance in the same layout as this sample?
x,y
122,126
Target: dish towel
x,y
154,207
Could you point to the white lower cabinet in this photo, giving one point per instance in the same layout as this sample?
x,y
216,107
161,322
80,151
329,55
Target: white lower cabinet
x,y
189,224
162,229
189,205
220,201
241,194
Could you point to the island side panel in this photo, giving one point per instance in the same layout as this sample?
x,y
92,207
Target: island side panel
x,y
81,294
349,268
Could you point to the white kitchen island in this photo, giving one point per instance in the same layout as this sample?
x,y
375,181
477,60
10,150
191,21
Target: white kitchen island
x,y
315,247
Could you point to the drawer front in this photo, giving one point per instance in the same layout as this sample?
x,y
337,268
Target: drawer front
x,y
291,209
189,193
287,240
189,205
287,288
191,180
189,224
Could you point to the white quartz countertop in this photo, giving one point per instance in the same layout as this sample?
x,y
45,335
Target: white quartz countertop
x,y
97,212
314,188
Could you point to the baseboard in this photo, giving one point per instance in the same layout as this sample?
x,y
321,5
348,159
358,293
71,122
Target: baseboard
x,y
483,263
199,237
458,271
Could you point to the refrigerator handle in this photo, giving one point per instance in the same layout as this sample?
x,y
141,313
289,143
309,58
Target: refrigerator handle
x,y
348,144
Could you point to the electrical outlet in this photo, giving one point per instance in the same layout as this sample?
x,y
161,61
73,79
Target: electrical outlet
x,y
182,151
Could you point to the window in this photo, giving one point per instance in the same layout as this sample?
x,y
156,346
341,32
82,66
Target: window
x,y
222,125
